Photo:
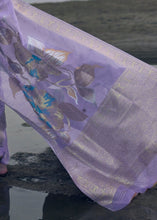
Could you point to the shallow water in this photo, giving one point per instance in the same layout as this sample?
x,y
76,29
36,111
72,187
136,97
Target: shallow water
x,y
22,138
21,204
25,204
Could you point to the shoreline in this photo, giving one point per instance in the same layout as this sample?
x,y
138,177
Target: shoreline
x,y
132,29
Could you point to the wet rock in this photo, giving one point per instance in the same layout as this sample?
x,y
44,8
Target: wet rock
x,y
128,25
25,124
42,172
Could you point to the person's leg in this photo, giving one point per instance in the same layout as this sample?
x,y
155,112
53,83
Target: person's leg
x,y
4,153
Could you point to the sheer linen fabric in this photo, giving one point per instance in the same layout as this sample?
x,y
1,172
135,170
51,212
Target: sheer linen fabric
x,y
93,103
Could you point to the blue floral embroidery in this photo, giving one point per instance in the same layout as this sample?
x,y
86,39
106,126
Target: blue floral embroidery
x,y
29,88
30,98
48,124
37,59
49,100
29,61
34,73
34,57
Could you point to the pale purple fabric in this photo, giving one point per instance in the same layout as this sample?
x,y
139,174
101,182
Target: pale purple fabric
x,y
93,103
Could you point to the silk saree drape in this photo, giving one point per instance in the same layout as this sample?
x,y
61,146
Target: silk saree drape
x,y
93,103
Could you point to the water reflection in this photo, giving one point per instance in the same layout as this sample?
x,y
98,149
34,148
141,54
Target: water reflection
x,y
61,207
71,208
4,201
64,207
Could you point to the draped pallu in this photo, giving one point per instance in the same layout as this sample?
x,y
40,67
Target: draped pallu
x,y
94,104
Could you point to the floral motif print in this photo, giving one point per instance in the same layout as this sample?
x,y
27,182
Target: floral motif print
x,y
72,93
37,64
84,76
45,106
14,85
6,33
59,55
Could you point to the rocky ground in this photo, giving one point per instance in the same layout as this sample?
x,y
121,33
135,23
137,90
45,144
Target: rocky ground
x,y
43,172
127,24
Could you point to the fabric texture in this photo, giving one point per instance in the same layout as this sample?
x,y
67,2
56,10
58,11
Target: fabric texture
x,y
93,103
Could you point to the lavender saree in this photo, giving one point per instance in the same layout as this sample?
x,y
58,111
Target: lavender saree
x,y
93,103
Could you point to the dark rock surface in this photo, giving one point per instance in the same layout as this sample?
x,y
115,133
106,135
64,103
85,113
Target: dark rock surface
x,y
127,24
43,172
